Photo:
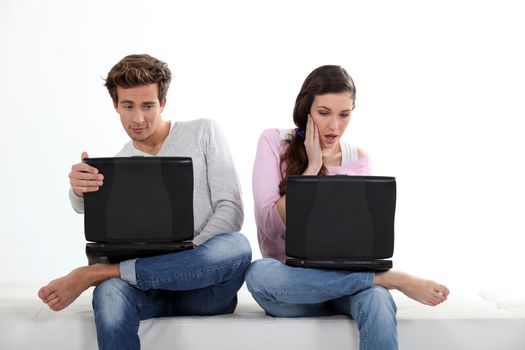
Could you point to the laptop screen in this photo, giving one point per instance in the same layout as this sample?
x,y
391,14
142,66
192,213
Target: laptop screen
x,y
340,217
143,199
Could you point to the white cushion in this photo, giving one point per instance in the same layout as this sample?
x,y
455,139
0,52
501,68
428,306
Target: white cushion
x,y
486,319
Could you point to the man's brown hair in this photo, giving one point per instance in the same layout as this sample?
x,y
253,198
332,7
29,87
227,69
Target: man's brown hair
x,y
136,70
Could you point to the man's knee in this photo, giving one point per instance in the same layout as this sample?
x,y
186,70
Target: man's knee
x,y
111,298
232,244
236,240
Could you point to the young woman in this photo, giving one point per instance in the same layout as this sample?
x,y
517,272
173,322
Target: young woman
x,y
322,112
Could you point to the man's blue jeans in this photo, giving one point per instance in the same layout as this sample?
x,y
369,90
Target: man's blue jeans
x,y
285,291
202,281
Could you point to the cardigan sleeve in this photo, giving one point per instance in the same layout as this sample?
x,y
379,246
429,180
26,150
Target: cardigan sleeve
x,y
265,184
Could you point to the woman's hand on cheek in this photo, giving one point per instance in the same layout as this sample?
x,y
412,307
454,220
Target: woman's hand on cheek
x,y
313,148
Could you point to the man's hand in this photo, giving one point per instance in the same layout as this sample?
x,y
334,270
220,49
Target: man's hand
x,y
84,178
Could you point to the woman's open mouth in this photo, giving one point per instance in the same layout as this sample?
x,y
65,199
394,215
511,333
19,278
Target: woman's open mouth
x,y
330,138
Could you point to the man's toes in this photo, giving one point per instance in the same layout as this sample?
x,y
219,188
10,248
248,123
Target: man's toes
x,y
56,307
53,302
50,297
61,305
43,293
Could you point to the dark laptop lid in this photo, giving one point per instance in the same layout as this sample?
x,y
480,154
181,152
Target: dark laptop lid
x,y
143,199
340,217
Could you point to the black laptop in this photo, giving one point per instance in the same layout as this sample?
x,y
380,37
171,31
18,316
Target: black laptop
x,y
144,208
340,222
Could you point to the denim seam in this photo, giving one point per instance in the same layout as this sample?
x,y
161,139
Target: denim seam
x,y
364,330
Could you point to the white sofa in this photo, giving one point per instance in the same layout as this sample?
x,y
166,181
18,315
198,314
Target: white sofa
x,y
481,320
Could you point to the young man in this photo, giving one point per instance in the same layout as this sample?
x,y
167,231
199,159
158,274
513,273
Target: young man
x,y
201,281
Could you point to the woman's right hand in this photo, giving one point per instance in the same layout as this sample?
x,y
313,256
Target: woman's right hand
x,y
313,148
84,178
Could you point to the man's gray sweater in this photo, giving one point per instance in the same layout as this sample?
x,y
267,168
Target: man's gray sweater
x,y
217,202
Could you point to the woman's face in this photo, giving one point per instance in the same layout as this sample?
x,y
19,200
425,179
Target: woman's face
x,y
331,113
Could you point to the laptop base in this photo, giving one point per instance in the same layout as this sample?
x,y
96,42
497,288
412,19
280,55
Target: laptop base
x,y
341,264
112,253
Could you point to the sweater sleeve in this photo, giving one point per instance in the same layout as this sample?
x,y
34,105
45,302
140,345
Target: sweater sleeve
x,y
76,202
266,178
224,187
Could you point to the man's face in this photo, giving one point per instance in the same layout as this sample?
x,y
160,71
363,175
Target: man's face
x,y
139,109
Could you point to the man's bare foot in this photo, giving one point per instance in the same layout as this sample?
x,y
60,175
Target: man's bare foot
x,y
425,291
60,293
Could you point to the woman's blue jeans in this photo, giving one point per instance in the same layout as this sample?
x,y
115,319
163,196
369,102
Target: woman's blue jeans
x,y
285,291
202,281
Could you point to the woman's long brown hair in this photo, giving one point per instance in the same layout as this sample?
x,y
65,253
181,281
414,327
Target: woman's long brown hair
x,y
323,80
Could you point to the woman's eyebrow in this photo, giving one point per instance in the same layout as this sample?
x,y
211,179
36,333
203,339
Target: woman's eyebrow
x,y
327,108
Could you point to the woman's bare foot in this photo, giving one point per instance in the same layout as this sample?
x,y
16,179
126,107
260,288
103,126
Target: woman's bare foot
x,y
425,291
60,293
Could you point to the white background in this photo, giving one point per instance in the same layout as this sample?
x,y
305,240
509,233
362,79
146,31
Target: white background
x,y
440,105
